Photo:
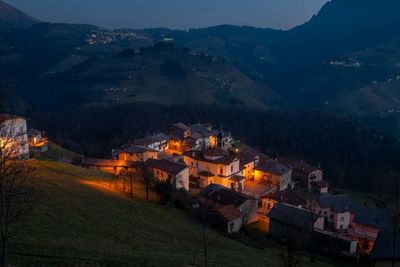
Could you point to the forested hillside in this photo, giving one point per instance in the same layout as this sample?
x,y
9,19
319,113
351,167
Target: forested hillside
x,y
352,156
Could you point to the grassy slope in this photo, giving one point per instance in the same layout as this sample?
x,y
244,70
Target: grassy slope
x,y
372,98
148,83
78,216
56,152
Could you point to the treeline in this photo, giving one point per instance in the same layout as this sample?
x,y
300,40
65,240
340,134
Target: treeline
x,y
351,155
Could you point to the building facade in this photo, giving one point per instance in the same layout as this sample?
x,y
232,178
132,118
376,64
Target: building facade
x,y
14,136
215,166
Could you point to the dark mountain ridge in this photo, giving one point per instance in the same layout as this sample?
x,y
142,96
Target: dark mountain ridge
x,y
341,26
12,18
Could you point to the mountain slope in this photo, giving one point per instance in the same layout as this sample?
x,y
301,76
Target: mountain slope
x,y
11,18
165,76
341,26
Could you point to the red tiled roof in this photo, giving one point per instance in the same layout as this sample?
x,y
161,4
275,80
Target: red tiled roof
x,y
229,213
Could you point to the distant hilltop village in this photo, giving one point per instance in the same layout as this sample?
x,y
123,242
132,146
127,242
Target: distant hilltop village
x,y
237,185
213,157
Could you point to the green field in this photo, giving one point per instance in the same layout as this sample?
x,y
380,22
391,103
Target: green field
x,y
80,220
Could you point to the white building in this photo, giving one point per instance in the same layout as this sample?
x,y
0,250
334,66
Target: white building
x,y
165,170
14,136
158,142
215,166
336,208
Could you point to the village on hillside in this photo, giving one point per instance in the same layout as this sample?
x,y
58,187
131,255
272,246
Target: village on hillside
x,y
234,185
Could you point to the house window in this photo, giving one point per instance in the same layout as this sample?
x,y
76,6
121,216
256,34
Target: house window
x,y
221,171
231,168
342,219
158,172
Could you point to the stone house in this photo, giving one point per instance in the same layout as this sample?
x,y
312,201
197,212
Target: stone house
x,y
227,218
137,153
215,166
303,173
217,196
167,170
274,173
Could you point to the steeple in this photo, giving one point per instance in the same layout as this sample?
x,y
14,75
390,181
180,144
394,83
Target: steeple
x,y
220,137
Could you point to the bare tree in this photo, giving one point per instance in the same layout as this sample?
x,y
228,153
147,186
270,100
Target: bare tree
x,y
396,219
176,182
16,178
168,187
128,180
147,178
114,178
209,239
291,246
204,233
312,208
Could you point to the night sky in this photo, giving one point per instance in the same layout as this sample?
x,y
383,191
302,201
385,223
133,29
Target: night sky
x,y
180,14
